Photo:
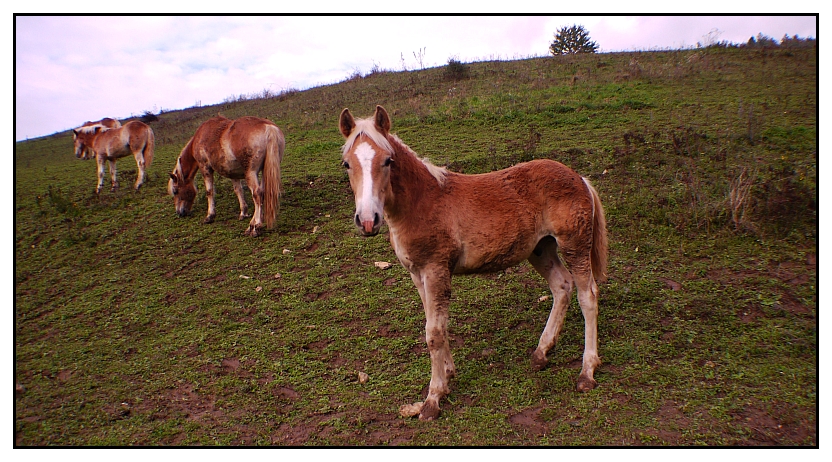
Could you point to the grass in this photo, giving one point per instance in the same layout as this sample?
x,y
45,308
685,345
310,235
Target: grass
x,y
136,327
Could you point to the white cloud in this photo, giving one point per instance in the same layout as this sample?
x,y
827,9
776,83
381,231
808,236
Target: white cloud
x,y
72,69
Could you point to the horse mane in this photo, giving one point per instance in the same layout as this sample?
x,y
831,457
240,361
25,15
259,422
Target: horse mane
x,y
91,128
367,127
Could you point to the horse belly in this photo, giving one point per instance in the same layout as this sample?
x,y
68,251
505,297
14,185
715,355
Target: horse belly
x,y
488,256
230,166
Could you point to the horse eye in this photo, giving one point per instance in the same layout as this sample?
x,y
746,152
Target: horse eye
x,y
346,165
388,161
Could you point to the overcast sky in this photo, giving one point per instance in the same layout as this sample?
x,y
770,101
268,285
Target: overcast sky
x,y
70,69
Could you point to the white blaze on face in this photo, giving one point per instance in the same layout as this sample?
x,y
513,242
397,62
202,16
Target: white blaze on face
x,y
366,204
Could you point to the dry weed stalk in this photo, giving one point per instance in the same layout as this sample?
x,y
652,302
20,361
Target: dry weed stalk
x,y
739,196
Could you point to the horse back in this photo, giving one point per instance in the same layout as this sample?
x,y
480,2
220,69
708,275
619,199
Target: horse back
x,y
231,147
125,140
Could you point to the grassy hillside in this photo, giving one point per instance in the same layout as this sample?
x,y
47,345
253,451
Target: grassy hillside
x,y
136,327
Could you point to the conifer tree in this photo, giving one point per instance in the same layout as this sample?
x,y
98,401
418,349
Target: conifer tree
x,y
571,40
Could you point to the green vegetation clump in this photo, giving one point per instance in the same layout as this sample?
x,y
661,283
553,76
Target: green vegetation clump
x,y
456,70
179,333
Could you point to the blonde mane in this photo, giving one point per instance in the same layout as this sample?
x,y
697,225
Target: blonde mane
x,y
367,127
91,128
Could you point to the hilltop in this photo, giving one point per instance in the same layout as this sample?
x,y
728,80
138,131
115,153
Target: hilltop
x,y
134,326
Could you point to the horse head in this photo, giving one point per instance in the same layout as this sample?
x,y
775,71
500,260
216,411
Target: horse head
x,y
82,138
183,192
367,156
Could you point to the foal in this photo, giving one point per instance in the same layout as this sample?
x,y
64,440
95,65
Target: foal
x,y
443,223
106,122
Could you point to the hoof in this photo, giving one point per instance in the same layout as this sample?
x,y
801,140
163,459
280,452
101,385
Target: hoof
x,y
208,220
254,231
539,361
586,384
243,216
430,411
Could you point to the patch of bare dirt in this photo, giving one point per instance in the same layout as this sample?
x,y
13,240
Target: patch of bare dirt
x,y
530,421
672,421
317,346
671,284
777,426
363,428
389,332
313,296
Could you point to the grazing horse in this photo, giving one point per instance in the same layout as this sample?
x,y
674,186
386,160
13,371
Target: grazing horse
x,y
237,149
105,122
109,144
443,223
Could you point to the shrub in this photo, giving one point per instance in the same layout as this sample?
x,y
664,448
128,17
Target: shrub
x,y
148,117
456,70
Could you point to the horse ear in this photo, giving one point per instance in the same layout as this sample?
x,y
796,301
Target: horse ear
x,y
346,123
382,120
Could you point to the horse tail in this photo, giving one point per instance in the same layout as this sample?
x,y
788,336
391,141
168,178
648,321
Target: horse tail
x,y
149,148
275,144
598,254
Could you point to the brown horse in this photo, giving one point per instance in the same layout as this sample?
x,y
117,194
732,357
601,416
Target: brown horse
x,y
236,149
104,123
109,144
443,223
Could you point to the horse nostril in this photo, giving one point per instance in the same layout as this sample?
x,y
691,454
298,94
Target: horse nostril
x,y
357,221
375,219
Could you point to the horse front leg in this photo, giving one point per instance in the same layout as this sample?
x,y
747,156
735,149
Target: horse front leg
x,y
238,190
208,179
435,289
255,226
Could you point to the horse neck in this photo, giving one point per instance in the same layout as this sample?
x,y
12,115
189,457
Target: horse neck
x,y
187,162
411,185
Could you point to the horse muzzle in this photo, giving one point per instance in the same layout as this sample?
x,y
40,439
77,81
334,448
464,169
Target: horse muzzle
x,y
368,227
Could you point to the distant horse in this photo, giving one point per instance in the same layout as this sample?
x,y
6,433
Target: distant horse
x,y
105,122
109,144
443,223
237,149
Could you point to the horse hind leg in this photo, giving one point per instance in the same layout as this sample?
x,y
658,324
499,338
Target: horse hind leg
x,y
546,262
140,176
100,161
579,263
255,226
112,164
588,299
238,190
